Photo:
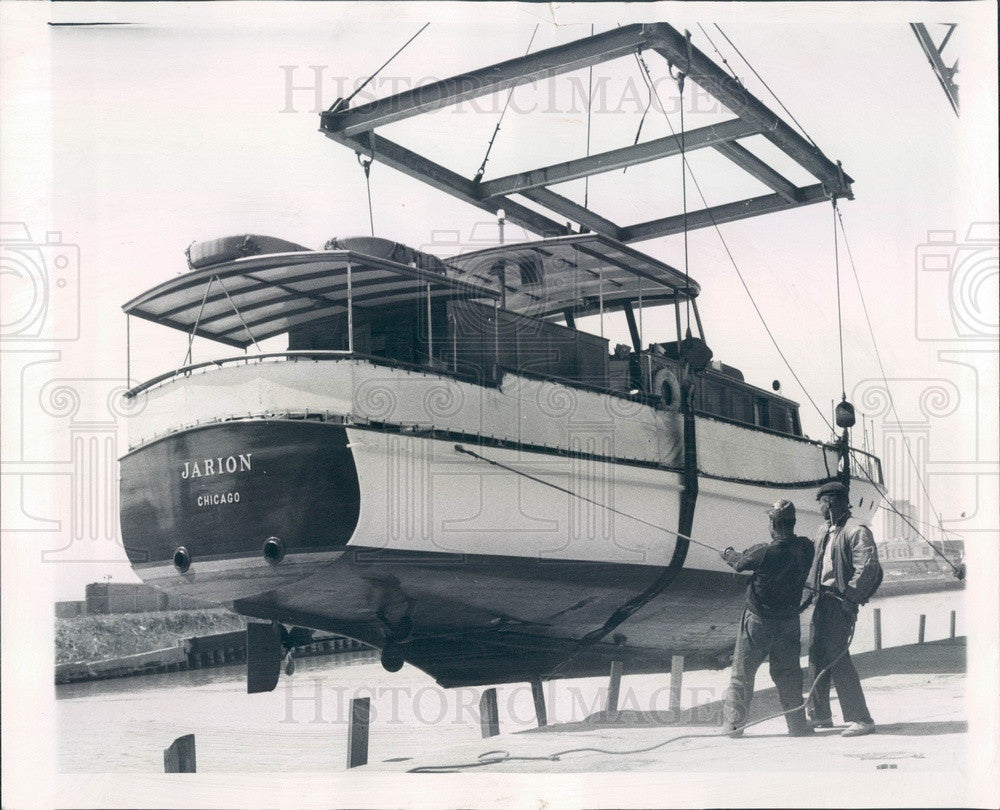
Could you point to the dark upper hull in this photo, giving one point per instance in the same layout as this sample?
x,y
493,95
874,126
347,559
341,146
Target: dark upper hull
x,y
222,490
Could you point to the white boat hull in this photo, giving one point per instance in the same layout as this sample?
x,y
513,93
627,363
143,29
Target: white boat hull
x,y
502,559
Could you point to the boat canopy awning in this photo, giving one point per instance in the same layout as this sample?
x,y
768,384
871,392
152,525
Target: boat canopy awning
x,y
249,299
583,274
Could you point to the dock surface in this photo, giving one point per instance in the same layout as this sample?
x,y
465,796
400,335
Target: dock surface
x,y
915,693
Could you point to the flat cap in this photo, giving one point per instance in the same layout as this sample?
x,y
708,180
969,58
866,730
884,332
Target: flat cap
x,y
782,510
832,488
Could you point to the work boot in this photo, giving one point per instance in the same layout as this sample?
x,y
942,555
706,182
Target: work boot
x,y
797,724
858,729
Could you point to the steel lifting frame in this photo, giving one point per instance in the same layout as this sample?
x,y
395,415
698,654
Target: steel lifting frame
x,y
355,128
945,74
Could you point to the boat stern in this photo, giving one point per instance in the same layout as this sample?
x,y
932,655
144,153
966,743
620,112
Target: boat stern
x,y
234,509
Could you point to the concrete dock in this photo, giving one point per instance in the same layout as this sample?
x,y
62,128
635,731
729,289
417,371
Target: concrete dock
x,y
916,694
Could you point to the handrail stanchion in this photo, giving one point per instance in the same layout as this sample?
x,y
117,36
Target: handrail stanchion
x,y
128,351
430,330
641,343
350,311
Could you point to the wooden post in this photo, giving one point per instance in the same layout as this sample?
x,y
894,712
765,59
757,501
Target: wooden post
x,y
878,628
676,675
179,757
538,696
923,627
614,687
953,624
489,715
357,732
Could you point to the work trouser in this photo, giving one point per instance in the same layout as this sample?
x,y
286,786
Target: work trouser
x,y
832,628
760,638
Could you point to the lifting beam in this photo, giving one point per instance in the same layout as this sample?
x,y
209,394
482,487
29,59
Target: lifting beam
x,y
354,127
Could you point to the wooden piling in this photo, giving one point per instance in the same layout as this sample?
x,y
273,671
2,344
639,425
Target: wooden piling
x,y
877,613
489,715
614,686
676,676
178,757
923,628
952,633
538,696
357,732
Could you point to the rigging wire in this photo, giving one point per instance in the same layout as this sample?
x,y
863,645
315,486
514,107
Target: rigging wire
x,y
723,58
684,199
482,167
885,380
366,165
679,78
649,103
948,533
459,448
590,101
344,102
188,358
739,274
761,78
840,319
958,570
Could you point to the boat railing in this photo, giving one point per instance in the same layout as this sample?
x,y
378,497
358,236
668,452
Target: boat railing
x,y
870,464
293,355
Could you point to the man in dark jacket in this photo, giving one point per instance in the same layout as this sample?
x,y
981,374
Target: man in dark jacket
x,y
845,572
770,625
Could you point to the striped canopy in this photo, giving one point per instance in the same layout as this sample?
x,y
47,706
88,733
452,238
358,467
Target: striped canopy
x,y
256,297
580,273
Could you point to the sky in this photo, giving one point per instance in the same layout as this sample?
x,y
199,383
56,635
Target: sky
x,y
122,144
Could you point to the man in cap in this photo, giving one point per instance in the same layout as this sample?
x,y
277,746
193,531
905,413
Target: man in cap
x,y
770,624
845,573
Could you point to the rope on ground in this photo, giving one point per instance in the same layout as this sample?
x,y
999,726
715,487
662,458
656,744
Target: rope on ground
x,y
500,756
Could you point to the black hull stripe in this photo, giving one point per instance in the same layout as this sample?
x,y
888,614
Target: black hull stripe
x,y
477,440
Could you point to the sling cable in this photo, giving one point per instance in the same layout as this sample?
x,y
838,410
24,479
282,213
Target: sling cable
x,y
696,356
366,163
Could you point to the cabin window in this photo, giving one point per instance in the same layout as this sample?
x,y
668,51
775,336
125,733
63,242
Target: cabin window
x,y
762,412
518,342
711,398
397,333
781,418
742,407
